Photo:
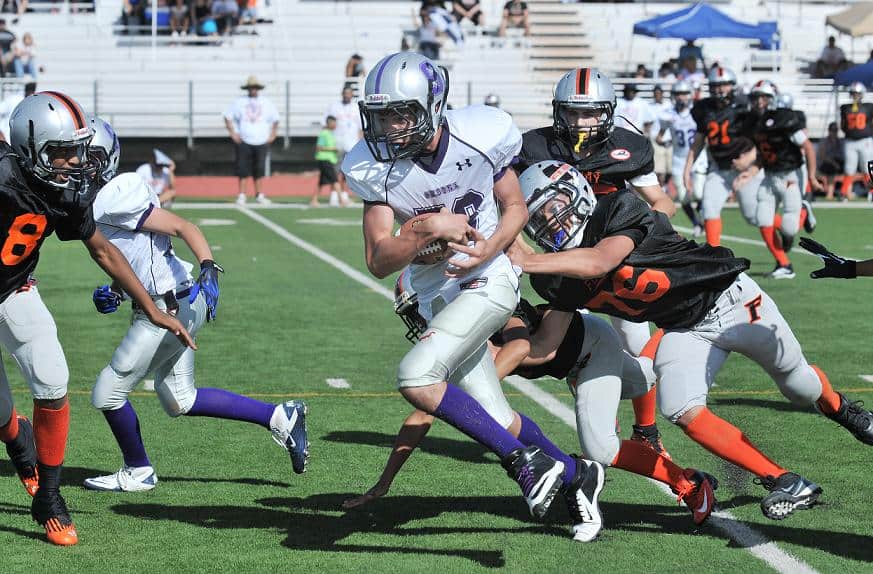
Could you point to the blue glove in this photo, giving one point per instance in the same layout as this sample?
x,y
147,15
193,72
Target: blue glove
x,y
106,300
208,283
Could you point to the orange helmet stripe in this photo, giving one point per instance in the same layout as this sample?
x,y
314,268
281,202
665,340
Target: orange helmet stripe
x,y
75,111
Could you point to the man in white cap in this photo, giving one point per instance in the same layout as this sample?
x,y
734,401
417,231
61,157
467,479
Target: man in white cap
x,y
253,123
160,174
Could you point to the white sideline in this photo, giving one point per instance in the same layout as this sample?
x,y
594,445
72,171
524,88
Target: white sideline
x,y
338,383
756,543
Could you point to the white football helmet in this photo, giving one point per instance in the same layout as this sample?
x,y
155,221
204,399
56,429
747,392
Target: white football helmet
x,y
763,89
406,307
492,100
105,148
719,76
403,105
559,203
680,93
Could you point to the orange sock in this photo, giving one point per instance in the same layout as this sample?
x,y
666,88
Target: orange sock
x,y
769,235
50,429
848,183
644,406
728,442
713,231
829,401
651,346
640,459
777,220
9,431
803,215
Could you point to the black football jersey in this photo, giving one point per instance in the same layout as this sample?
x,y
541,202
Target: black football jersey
x,y
667,279
855,120
772,135
29,214
722,126
607,166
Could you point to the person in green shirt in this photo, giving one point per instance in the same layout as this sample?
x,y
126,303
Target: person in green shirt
x,y
326,156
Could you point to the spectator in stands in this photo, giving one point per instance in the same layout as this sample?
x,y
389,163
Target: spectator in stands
x,y
831,154
515,15
24,60
348,128
831,60
133,14
7,39
202,20
690,50
469,9
426,5
690,73
326,157
252,122
355,67
429,42
632,112
160,174
666,74
661,108
17,7
642,72
9,103
180,18
248,12
225,14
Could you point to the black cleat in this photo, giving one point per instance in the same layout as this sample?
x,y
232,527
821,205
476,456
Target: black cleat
x,y
856,420
22,453
538,474
582,499
788,493
650,436
49,510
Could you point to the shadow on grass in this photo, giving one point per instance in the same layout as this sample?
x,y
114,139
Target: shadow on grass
x,y
463,450
781,405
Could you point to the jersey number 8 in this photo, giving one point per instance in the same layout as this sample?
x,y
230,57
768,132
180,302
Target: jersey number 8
x,y
24,233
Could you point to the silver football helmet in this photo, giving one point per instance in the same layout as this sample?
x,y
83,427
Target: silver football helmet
x,y
763,89
857,88
583,91
50,134
680,93
403,105
406,307
719,76
784,101
105,148
559,203
492,100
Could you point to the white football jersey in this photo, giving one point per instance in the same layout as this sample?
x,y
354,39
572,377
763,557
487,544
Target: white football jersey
x,y
478,143
682,130
120,209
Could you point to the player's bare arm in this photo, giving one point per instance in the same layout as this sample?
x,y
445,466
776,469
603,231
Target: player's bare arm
x,y
545,342
515,348
386,253
111,260
693,153
513,217
809,153
656,197
579,263
168,223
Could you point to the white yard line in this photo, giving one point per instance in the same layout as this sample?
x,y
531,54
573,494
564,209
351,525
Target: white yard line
x,y
338,383
753,541
868,378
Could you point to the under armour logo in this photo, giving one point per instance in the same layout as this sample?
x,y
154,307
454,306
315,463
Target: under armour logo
x,y
466,163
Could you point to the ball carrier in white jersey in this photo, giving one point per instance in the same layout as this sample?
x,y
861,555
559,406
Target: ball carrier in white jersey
x,y
417,158
127,211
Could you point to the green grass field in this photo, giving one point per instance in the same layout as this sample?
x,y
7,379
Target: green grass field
x,y
228,501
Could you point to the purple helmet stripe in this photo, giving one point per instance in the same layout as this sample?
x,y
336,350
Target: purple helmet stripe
x,y
379,73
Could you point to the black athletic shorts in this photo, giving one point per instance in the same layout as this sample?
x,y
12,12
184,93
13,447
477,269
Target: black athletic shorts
x,y
326,173
251,160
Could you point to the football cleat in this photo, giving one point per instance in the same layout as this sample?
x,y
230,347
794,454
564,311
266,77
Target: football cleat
x,y
49,510
22,453
538,475
782,272
809,223
701,499
288,425
128,479
650,436
788,493
582,500
855,419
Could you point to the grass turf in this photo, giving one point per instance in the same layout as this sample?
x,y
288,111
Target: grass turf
x,y
227,499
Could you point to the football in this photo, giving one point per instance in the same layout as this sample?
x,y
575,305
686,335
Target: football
x,y
432,253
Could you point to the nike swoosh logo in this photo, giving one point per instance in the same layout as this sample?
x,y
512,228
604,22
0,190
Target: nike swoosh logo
x,y
703,504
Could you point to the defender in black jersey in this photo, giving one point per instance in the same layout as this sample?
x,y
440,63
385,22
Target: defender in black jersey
x,y
44,188
631,263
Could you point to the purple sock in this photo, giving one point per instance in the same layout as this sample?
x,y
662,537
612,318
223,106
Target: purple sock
x,y
531,434
221,404
465,414
125,426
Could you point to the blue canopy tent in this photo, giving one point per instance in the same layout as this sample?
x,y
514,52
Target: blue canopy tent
x,y
862,73
703,21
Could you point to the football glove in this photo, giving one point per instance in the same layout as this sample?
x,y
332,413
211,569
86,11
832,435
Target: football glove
x,y
106,300
208,283
834,265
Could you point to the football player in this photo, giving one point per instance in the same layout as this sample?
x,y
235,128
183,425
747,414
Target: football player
x,y
584,136
417,158
127,210
586,351
46,173
621,258
781,146
856,121
720,122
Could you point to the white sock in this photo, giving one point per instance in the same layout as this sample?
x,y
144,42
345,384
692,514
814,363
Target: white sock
x,y
334,198
344,196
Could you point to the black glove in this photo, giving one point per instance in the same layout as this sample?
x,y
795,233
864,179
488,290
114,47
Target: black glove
x,y
834,265
208,283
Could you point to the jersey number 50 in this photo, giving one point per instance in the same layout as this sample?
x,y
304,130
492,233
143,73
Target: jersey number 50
x,y
24,234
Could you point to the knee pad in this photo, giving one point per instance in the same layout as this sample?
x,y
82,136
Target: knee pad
x,y
801,385
603,449
175,404
421,367
108,393
672,409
